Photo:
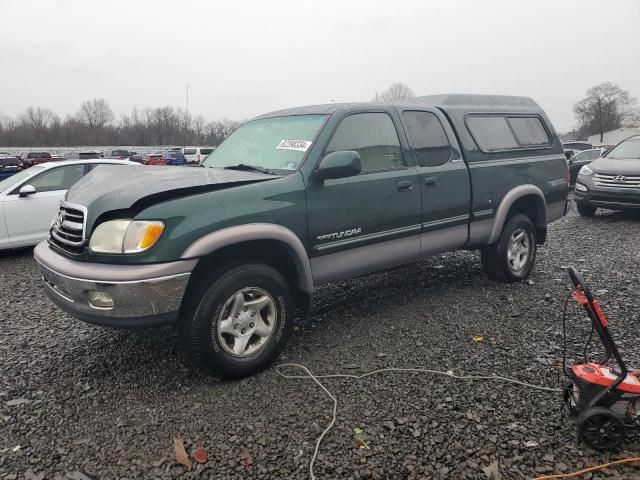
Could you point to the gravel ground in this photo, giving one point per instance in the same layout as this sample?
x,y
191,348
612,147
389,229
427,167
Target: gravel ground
x,y
109,402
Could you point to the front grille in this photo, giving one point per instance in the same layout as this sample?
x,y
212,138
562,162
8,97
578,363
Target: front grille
x,y
68,228
616,181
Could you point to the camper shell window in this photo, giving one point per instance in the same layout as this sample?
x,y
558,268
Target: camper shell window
x,y
499,132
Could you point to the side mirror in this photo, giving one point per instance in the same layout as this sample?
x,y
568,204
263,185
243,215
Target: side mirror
x,y
339,165
27,190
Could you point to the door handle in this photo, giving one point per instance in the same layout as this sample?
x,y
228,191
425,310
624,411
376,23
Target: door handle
x,y
404,186
431,182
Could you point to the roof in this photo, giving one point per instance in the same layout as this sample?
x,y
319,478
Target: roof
x,y
48,165
457,100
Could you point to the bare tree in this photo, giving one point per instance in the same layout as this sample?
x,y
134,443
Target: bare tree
x,y
397,91
199,123
96,115
606,107
37,121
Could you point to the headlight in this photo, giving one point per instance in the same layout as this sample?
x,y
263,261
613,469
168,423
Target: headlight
x,y
585,171
580,187
126,236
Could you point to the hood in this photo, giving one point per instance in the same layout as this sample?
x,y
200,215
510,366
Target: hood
x,y
122,187
629,166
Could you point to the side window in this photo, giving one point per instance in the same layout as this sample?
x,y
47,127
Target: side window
x,y
491,132
529,131
60,178
373,136
428,138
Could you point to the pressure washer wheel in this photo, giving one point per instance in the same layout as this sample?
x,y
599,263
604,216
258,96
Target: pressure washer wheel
x,y
601,429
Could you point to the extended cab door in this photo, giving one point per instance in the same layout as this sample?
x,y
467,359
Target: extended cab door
x,y
444,180
369,221
28,218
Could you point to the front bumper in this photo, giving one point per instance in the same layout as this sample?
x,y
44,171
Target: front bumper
x,y
143,295
613,198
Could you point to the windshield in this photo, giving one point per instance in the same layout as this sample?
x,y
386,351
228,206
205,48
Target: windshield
x,y
39,155
577,146
7,183
588,155
278,143
628,149
9,161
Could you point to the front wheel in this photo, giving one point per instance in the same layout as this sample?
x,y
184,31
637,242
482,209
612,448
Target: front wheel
x,y
601,429
241,322
586,210
512,257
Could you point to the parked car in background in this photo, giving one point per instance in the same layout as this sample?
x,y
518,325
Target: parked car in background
x,y
571,148
30,199
173,157
301,198
86,155
36,158
580,159
196,154
612,181
153,159
9,165
136,158
118,154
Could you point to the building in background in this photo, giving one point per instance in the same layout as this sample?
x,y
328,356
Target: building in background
x,y
614,136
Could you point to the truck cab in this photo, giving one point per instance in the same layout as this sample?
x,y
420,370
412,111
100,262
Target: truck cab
x,y
294,199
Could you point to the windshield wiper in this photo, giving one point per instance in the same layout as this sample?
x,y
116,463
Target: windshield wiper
x,y
245,167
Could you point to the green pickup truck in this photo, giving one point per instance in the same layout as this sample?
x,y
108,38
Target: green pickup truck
x,y
231,252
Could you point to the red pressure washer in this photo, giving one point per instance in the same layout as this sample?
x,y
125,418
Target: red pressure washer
x,y
605,398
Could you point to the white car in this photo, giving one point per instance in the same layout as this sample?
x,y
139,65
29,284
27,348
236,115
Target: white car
x,y
31,198
196,154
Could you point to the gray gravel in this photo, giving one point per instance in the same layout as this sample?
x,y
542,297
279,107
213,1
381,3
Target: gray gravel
x,y
77,398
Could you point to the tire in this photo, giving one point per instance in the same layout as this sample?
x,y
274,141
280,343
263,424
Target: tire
x,y
238,323
506,260
601,429
586,210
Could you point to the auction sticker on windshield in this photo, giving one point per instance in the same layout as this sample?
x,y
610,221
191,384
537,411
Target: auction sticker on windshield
x,y
298,145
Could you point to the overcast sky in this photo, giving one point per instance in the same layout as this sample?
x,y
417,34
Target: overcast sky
x,y
243,58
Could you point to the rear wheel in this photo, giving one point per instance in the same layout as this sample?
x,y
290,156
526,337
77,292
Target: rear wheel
x,y
586,210
241,321
601,429
512,257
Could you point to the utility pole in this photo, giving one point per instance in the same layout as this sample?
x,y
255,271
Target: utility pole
x,y
186,118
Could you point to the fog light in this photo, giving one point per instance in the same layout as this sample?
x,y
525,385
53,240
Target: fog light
x,y
580,187
100,299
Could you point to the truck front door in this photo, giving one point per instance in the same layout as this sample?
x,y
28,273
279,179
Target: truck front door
x,y
369,221
444,180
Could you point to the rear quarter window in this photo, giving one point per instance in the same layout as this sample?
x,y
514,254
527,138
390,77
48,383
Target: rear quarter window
x,y
190,151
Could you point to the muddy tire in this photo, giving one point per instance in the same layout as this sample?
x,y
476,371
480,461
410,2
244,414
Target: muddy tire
x,y
512,257
240,320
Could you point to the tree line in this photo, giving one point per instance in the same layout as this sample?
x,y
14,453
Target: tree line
x,y
95,124
605,107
